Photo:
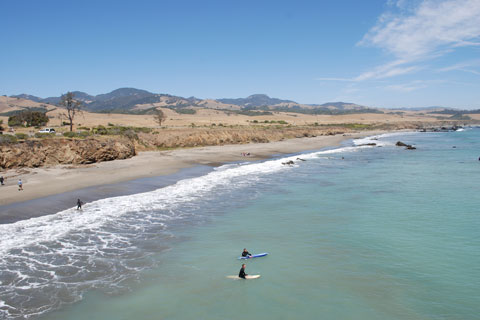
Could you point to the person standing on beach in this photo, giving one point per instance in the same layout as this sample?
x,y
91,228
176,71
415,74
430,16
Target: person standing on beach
x,y
79,204
20,185
1,180
242,273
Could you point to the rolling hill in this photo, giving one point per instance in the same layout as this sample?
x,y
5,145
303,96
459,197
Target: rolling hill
x,y
131,100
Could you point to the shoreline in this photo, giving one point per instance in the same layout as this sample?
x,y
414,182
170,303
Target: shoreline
x,y
44,182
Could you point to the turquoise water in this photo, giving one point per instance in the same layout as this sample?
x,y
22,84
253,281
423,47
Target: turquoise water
x,y
384,233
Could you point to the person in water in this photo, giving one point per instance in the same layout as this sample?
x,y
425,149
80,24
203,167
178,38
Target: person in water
x,y
242,273
79,204
245,253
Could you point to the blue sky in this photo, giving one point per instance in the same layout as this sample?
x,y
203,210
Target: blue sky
x,y
391,53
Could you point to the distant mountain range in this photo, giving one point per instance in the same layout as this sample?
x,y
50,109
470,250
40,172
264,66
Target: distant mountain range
x,y
255,100
136,100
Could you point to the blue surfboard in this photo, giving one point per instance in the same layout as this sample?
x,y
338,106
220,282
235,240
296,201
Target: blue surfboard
x,y
254,256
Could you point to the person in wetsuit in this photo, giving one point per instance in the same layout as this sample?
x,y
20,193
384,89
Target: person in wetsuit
x,y
79,204
242,273
245,253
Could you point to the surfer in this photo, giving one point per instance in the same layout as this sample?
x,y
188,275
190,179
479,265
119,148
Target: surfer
x,y
245,253
242,273
79,204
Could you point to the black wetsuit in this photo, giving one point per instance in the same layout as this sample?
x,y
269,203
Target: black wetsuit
x,y
242,273
79,204
244,254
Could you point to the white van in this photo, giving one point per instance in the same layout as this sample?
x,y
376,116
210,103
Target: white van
x,y
47,130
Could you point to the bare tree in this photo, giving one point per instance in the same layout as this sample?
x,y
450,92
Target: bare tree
x,y
159,116
72,106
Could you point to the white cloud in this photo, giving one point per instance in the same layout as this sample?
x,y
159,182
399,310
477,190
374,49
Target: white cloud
x,y
405,87
413,85
472,66
388,70
430,30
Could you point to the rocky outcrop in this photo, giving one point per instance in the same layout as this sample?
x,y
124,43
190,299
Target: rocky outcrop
x,y
407,146
49,152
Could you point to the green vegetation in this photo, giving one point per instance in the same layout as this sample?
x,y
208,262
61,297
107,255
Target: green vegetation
x,y
117,130
7,138
129,132
124,111
184,110
15,112
251,113
42,135
459,116
81,134
456,112
353,126
22,136
28,119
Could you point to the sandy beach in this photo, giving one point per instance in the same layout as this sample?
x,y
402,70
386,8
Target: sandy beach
x,y
42,182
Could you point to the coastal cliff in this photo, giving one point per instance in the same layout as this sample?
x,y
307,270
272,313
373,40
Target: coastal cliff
x,y
48,152
122,144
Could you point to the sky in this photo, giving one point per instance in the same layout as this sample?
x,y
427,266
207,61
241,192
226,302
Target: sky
x,y
389,54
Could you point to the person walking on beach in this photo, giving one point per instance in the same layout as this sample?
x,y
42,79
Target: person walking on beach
x,y
20,185
242,273
1,180
245,253
79,204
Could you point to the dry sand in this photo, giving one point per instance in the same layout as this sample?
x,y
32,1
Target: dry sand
x,y
43,182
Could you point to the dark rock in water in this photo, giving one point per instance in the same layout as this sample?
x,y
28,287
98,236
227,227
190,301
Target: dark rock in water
x,y
301,159
454,147
367,144
407,146
442,129
290,162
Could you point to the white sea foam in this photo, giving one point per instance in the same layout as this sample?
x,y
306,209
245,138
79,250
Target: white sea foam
x,y
72,250
382,140
98,213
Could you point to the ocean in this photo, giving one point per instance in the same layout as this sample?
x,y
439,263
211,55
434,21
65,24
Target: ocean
x,y
354,232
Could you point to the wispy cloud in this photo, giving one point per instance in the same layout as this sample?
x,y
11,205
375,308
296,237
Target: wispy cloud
x,y
412,85
388,70
429,30
472,66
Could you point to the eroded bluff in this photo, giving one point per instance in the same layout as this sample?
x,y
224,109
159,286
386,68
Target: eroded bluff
x,y
49,152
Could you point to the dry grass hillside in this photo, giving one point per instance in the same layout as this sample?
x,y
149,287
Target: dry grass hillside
x,y
122,135
206,117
